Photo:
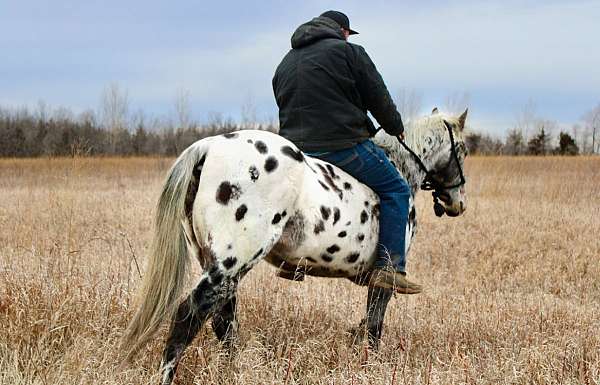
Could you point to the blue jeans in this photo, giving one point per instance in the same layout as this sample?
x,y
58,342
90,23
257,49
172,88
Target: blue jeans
x,y
369,165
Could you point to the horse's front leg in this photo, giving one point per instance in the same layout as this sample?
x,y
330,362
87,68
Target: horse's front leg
x,y
372,324
377,302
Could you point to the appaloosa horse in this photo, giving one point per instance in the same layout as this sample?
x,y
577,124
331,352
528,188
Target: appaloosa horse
x,y
233,200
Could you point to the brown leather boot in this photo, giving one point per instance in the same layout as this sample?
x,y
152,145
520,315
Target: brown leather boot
x,y
389,279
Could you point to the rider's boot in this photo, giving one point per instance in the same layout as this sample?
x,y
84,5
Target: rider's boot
x,y
388,278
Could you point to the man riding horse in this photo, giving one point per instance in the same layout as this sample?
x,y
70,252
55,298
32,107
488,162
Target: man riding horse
x,y
324,87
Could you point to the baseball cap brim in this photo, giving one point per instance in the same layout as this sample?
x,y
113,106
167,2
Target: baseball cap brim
x,y
353,32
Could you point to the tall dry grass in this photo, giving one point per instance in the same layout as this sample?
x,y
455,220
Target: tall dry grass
x,y
512,287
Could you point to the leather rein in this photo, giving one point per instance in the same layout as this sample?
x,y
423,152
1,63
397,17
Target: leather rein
x,y
430,183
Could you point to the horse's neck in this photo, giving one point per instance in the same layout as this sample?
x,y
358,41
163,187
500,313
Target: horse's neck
x,y
408,166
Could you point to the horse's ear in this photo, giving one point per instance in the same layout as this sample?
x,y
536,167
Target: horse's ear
x,y
462,119
434,111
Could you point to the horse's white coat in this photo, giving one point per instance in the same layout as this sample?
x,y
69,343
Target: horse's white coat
x,y
307,192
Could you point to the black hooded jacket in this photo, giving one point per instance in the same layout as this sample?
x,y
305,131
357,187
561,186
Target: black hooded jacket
x,y
324,87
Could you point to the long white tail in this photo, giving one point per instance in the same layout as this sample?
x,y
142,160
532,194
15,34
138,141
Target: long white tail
x,y
167,269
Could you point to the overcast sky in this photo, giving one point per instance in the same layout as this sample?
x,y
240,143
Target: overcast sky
x,y
501,53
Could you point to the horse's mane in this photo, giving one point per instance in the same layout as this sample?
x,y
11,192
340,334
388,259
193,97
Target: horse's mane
x,y
420,134
416,132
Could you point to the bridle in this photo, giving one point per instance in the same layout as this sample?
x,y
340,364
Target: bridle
x,y
430,183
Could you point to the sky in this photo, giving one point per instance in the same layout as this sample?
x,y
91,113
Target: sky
x,y
504,55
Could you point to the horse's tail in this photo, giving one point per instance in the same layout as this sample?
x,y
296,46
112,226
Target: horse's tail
x,y
167,269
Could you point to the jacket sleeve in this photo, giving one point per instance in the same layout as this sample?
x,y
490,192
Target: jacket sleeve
x,y
374,93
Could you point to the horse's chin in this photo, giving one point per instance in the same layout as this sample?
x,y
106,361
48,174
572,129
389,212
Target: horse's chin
x,y
454,210
452,213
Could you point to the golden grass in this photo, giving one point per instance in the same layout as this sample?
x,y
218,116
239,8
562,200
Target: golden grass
x,y
512,287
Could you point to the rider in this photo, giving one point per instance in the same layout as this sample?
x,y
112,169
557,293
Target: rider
x,y
324,87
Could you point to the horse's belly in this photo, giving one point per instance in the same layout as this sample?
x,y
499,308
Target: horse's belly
x,y
340,223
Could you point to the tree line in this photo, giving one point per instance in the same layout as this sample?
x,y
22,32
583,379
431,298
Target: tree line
x,y
25,134
114,131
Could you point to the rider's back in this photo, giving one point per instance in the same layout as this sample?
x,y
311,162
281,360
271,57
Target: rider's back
x,y
321,89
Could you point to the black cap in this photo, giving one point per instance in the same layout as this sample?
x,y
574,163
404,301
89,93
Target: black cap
x,y
339,18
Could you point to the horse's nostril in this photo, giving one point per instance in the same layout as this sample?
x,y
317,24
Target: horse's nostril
x,y
462,206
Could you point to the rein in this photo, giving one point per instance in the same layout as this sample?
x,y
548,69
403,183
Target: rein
x,y
430,183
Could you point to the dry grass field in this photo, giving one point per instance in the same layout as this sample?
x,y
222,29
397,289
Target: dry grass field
x,y
512,287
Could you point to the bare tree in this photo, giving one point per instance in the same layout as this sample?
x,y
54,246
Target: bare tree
x,y
42,111
182,108
592,125
526,119
249,119
409,103
115,106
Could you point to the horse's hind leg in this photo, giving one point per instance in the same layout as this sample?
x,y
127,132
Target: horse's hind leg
x,y
215,290
212,291
224,323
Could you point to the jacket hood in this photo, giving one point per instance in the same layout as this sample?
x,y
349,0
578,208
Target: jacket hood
x,y
317,29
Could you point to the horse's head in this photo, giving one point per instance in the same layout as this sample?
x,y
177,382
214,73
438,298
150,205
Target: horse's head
x,y
447,163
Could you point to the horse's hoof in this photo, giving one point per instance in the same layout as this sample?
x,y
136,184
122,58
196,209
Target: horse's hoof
x,y
295,275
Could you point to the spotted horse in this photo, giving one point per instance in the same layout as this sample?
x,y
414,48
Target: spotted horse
x,y
233,200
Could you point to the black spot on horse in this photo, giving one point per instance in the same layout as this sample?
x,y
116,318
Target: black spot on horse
x,y
240,212
276,219
271,164
296,155
326,258
333,249
230,135
283,214
325,212
363,217
376,210
254,174
226,191
352,257
332,184
366,203
332,172
250,141
342,234
348,223
336,215
319,227
261,147
229,262
322,168
324,186
360,237
311,259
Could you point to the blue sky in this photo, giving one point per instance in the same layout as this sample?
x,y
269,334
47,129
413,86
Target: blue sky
x,y
501,53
